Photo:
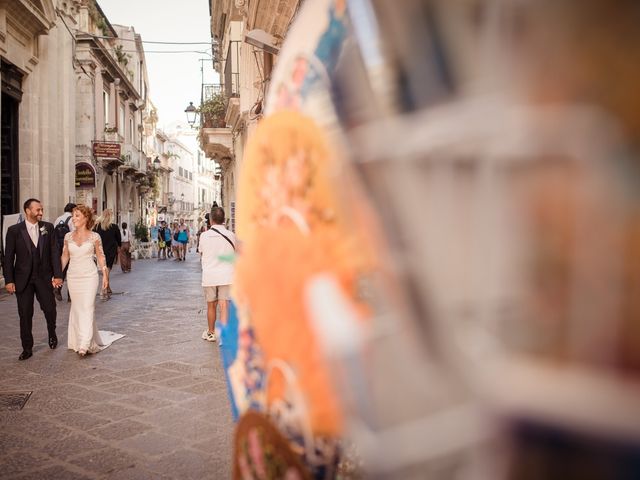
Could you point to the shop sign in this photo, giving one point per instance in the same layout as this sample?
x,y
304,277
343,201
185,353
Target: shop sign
x,y
106,149
85,175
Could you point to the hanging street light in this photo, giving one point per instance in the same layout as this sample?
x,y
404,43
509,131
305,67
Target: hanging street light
x,y
192,113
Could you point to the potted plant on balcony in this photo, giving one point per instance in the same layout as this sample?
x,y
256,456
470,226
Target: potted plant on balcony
x,y
213,111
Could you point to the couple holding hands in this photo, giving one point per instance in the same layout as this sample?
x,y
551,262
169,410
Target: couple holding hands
x,y
33,265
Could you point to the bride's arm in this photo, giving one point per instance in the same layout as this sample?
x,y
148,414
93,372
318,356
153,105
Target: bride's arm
x,y
64,259
102,262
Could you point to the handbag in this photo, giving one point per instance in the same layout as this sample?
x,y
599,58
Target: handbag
x,y
161,244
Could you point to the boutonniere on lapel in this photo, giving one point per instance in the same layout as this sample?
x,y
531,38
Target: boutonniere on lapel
x,y
43,230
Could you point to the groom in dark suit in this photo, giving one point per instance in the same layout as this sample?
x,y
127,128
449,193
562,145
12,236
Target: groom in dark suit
x,y
32,266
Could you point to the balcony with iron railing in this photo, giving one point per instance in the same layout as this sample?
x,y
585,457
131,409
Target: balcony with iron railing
x,y
215,137
213,107
134,161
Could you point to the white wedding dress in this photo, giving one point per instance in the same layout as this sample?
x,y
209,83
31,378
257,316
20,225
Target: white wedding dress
x,y
82,281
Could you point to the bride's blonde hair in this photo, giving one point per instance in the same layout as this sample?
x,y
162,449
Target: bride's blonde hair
x,y
104,220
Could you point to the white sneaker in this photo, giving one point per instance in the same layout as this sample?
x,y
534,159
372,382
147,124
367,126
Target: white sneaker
x,y
211,337
204,334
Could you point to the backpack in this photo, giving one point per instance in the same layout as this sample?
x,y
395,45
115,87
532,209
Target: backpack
x,y
60,230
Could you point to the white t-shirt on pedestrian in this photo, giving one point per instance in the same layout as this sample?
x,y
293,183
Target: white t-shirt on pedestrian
x,y
124,235
215,270
63,218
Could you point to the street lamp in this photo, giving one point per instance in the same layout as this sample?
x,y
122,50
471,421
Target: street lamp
x,y
192,113
156,163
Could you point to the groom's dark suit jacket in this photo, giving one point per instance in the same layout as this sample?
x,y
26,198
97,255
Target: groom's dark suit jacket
x,y
19,261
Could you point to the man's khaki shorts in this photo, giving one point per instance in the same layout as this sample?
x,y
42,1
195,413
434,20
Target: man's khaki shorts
x,y
220,292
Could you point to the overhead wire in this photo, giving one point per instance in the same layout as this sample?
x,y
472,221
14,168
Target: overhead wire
x,y
150,41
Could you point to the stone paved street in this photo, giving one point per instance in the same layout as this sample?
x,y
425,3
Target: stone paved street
x,y
151,406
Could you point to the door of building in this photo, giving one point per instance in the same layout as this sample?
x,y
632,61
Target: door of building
x,y
11,91
9,168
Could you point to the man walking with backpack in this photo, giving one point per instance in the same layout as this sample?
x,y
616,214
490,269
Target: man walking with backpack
x,y
61,227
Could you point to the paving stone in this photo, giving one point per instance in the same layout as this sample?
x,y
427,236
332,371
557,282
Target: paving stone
x,y
112,411
182,381
105,461
150,443
196,428
54,473
149,400
191,463
14,464
101,379
201,388
125,387
74,390
135,372
120,430
10,442
81,420
173,395
35,427
52,405
167,416
158,376
71,446
137,473
177,366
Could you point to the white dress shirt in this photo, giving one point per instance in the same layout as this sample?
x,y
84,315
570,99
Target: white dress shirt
x,y
32,228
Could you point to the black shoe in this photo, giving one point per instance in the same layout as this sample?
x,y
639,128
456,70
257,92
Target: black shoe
x,y
53,342
25,354
57,294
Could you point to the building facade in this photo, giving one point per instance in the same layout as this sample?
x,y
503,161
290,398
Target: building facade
x,y
244,70
181,183
111,106
37,125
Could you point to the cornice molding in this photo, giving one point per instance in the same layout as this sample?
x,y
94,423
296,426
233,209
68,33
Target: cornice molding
x,y
111,66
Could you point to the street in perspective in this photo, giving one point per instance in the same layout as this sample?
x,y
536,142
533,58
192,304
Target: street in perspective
x,y
320,239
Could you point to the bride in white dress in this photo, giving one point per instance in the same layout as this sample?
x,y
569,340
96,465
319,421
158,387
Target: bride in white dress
x,y
80,247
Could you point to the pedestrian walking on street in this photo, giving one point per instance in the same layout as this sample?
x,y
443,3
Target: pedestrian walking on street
x,y
111,241
32,267
61,227
80,247
217,273
192,235
125,249
183,239
175,245
202,230
162,241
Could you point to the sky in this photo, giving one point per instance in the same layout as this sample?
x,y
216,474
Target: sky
x,y
174,78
